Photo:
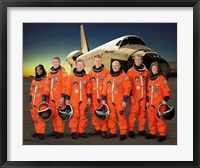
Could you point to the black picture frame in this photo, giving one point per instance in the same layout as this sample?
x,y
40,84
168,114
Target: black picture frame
x,y
4,4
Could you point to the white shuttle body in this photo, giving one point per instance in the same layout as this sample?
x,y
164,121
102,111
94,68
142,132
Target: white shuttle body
x,y
122,49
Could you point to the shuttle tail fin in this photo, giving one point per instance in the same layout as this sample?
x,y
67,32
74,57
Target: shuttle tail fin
x,y
84,43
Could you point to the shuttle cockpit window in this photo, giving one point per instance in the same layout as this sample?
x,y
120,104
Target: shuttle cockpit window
x,y
131,40
135,40
124,42
118,43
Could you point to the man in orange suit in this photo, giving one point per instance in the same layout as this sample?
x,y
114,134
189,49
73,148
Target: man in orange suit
x,y
115,92
57,79
138,76
78,94
97,76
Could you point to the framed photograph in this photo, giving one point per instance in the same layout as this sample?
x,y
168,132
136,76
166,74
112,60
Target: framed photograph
x,y
34,31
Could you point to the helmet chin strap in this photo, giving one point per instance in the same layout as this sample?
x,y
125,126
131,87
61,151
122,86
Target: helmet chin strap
x,y
98,69
79,74
116,73
54,70
140,68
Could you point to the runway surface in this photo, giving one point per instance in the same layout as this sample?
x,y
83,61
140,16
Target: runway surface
x,y
28,127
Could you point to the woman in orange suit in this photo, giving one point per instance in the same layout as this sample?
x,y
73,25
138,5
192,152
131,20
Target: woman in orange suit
x,y
37,91
97,76
158,91
78,94
116,90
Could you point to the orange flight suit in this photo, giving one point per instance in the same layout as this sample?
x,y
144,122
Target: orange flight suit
x,y
37,89
57,82
139,90
78,88
158,89
97,79
116,88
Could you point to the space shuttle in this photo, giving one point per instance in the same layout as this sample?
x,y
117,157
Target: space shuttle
x,y
122,49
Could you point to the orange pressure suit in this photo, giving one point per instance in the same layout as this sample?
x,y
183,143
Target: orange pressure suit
x,y
116,89
57,80
138,77
78,89
37,90
97,77
158,90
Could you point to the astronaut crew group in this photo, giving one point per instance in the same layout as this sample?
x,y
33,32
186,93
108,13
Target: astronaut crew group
x,y
144,89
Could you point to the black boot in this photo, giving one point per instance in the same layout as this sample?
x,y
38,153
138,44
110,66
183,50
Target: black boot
x,y
41,136
74,135
95,132
52,134
122,137
103,134
35,134
161,138
143,133
84,135
131,134
59,135
150,136
110,136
